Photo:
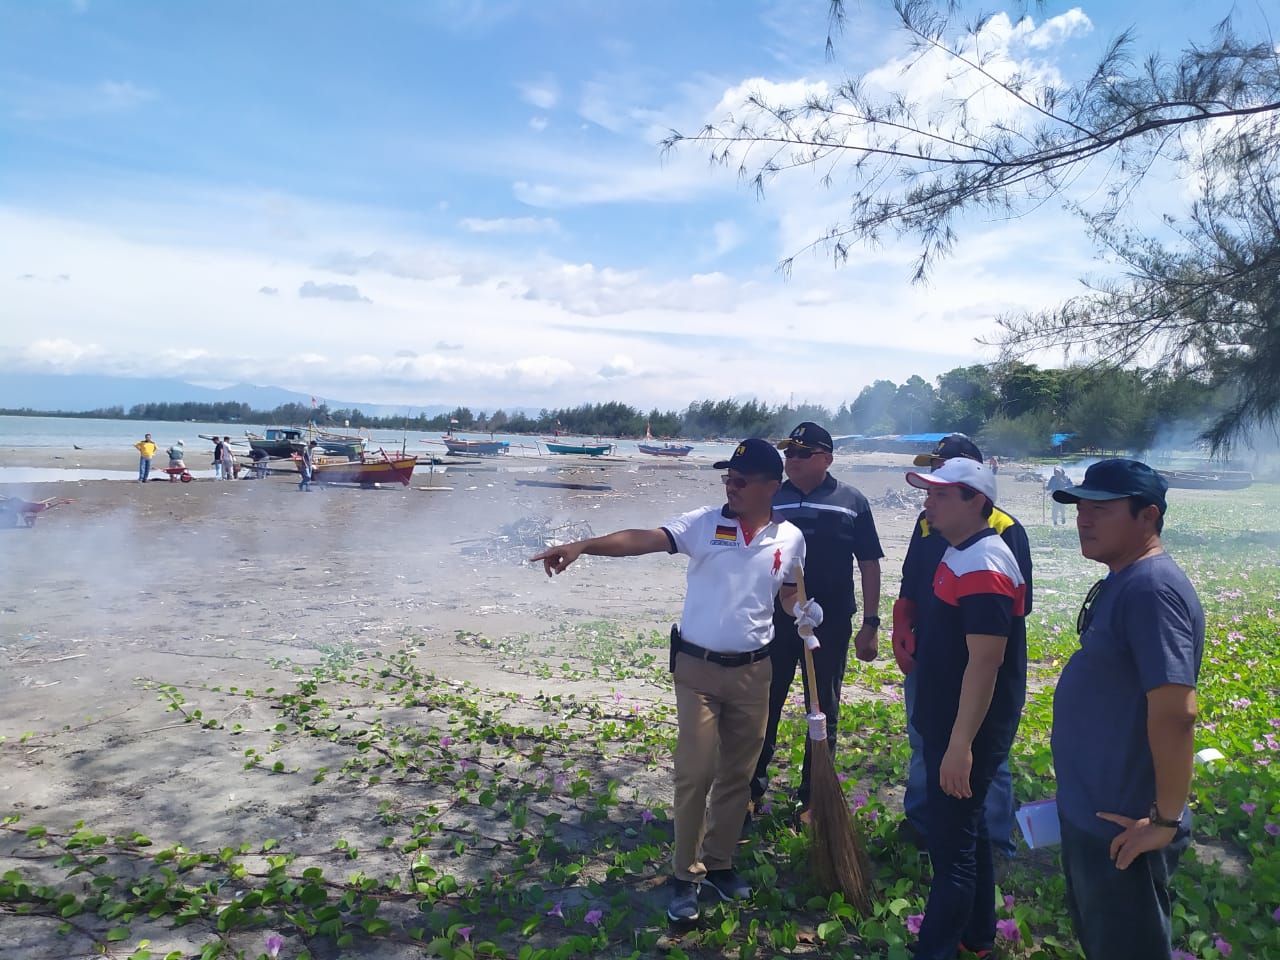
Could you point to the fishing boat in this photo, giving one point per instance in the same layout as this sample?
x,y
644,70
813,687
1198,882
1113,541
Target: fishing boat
x,y
1218,480
484,448
286,441
666,449
369,469
583,449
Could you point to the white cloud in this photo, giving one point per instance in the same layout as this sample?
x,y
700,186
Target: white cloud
x,y
343,292
510,225
727,236
537,124
1055,30
543,94
122,95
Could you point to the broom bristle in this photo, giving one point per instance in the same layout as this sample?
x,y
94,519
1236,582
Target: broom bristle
x,y
840,862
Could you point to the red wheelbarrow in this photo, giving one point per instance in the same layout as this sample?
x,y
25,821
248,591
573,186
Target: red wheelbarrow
x,y
23,513
179,473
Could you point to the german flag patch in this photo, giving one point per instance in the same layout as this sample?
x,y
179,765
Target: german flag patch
x,y
726,533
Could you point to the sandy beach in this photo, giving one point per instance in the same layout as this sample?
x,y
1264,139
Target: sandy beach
x,y
232,584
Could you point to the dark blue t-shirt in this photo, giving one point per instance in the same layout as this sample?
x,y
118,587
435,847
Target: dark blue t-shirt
x,y
977,588
1145,630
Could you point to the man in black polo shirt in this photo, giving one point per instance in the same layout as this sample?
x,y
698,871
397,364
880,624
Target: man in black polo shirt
x,y
909,611
838,528
972,677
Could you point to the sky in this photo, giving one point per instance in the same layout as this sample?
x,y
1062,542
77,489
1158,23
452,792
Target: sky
x,y
466,201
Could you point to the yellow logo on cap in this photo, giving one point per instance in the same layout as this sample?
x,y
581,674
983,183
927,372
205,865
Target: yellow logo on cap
x,y
741,451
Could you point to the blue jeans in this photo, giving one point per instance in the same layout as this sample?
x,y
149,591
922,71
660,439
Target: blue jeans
x,y
1119,914
962,897
999,809
144,468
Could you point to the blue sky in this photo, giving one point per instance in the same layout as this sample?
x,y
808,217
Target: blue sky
x,y
465,201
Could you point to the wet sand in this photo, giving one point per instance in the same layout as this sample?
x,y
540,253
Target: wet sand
x,y
214,583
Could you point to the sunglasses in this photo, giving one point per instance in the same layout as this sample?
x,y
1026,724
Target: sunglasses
x,y
738,483
797,453
1085,616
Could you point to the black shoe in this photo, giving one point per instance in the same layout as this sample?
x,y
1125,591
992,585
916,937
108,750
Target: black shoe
x,y
728,884
683,906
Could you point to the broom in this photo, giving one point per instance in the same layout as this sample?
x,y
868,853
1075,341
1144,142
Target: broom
x,y
838,857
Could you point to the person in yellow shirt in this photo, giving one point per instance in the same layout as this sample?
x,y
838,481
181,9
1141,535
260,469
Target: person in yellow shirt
x,y
146,450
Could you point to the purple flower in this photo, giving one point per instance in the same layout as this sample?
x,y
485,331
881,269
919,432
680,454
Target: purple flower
x,y
274,943
465,933
913,924
1221,945
560,781
1008,903
594,917
556,911
1183,955
1008,929
766,808
859,801
1248,808
1273,829
1276,915
445,741
646,816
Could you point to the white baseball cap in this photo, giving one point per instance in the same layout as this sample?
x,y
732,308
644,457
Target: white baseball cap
x,y
958,472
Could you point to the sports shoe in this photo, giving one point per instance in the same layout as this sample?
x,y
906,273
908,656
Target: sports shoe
x,y
728,884
683,907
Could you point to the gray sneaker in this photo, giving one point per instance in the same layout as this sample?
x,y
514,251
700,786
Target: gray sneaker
x,y
728,884
683,907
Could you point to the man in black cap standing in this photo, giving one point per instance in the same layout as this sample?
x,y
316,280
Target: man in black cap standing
x,y
741,557
838,529
924,553
1124,717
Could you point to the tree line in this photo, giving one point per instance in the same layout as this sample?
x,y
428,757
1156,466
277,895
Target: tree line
x,y
1013,408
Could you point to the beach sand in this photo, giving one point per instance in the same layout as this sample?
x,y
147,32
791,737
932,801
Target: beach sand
x,y
216,583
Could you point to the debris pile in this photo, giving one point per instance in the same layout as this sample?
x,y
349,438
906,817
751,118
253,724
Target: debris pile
x,y
900,500
517,541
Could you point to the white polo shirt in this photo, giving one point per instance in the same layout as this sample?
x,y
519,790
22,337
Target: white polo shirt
x,y
728,604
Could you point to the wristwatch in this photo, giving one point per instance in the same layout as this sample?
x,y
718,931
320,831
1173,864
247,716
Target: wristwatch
x,y
871,621
1158,821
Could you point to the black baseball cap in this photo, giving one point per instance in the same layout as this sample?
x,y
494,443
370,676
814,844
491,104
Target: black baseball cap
x,y
1115,480
953,445
808,436
754,455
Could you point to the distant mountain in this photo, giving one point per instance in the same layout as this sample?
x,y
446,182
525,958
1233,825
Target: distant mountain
x,y
73,393
80,392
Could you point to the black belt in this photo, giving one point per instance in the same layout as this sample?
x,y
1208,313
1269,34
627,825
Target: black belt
x,y
718,658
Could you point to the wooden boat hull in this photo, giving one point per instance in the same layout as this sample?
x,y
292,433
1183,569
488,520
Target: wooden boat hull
x,y
666,450
395,470
480,447
582,449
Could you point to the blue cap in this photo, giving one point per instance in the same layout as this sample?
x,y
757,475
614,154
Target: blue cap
x,y
754,455
1115,480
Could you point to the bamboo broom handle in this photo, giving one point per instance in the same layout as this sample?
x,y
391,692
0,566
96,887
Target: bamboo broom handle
x,y
810,676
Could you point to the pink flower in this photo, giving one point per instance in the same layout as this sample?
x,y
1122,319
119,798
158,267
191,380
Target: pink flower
x,y
445,741
465,933
1221,945
1248,808
1008,929
274,943
594,917
556,911
913,924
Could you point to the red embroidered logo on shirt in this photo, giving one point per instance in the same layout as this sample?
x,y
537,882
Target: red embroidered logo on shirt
x,y
777,560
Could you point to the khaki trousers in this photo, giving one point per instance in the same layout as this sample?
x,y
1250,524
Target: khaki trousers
x,y
722,713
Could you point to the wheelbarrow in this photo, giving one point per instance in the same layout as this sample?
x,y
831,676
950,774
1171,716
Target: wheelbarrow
x,y
23,513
